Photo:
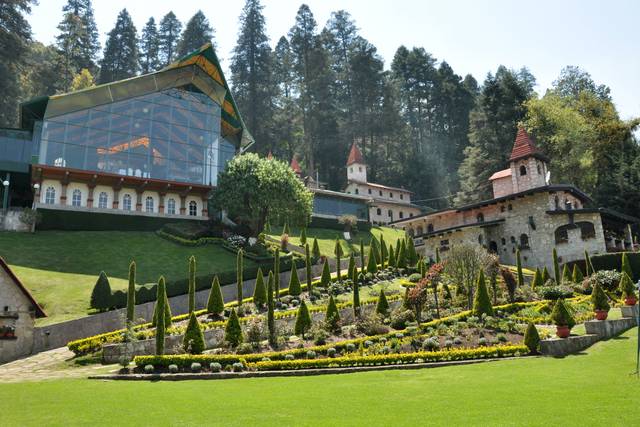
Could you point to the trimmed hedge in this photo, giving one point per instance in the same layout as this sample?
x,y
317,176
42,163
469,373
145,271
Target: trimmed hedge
x,y
333,224
612,261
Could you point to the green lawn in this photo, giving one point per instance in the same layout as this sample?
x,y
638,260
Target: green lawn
x,y
595,388
61,267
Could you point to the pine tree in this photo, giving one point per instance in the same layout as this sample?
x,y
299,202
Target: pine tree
x,y
271,322
276,273
356,296
338,252
197,33
162,307
215,303
384,252
149,48
193,341
120,60
537,279
532,338
481,302
519,269
316,250
376,249
160,319
168,317
577,275
307,259
401,256
168,35
303,320
566,274
233,330
239,277
332,316
362,264
372,264
626,266
294,282
351,267
545,275
259,290
438,255
412,256
382,307
303,237
192,284
325,278
556,267
131,293
101,294
392,256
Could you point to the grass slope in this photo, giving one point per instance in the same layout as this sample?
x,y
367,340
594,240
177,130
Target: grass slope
x,y
581,390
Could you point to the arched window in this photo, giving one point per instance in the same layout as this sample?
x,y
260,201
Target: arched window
x,y
193,208
524,241
390,213
523,170
391,195
401,214
587,230
480,217
430,228
357,191
103,199
503,241
148,204
379,211
126,202
50,196
171,206
419,231
562,234
76,198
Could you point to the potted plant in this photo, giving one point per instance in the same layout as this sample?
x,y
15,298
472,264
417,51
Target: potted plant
x,y
562,318
600,304
628,290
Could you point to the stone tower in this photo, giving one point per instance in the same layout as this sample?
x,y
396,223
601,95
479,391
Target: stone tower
x,y
356,168
528,165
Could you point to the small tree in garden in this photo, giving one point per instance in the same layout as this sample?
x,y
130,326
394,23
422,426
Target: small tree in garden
x,y
338,252
131,293
259,290
577,275
276,273
626,286
626,266
438,255
537,279
294,282
566,274
303,320
398,241
588,265
362,264
556,267
351,267
464,262
192,284
356,296
417,298
382,307
193,341
392,256
492,267
316,250
519,268
239,279
481,302
215,303
233,330
545,275
166,308
510,283
372,265
599,299
384,251
332,316
412,255
401,256
101,294
160,320
307,265
325,278
532,338
561,316
433,277
271,321
376,249
303,237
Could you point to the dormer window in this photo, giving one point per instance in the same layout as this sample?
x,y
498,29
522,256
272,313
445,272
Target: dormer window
x,y
523,170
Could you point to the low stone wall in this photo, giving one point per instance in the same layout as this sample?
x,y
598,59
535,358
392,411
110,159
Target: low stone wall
x,y
605,329
11,221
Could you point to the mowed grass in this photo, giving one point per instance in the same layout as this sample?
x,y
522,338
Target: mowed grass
x,y
583,390
61,267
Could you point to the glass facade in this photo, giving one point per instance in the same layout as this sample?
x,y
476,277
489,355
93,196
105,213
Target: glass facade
x,y
336,206
170,135
15,146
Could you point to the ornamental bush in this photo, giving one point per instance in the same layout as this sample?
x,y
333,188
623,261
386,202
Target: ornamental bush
x,y
481,301
392,256
192,284
626,286
338,252
193,341
315,249
233,330
303,320
532,338
332,316
239,280
561,316
260,291
101,294
566,274
372,264
294,282
160,319
356,298
276,273
626,266
325,278
303,237
215,304
519,269
215,367
599,299
351,267
401,256
307,266
131,293
382,306
545,275
556,266
576,275
537,279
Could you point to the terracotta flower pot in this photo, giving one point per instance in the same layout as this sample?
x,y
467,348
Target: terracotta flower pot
x,y
563,331
602,314
630,300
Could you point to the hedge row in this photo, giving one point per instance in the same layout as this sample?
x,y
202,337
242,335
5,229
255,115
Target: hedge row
x,y
189,242
611,261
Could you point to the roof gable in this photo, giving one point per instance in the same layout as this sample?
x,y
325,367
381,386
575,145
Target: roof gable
x,y
355,156
523,146
39,311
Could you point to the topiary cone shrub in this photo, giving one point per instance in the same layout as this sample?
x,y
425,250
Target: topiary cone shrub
x,y
482,302
382,307
193,341
532,338
233,330
600,303
332,316
627,289
562,318
303,320
325,278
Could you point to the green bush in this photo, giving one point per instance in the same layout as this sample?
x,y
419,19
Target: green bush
x,y
599,299
160,319
303,237
233,330
566,274
215,303
325,278
259,291
556,267
607,279
131,293
239,276
315,249
481,301
532,338
372,264
545,275
101,294
382,306
307,266
303,320
332,316
554,292
519,269
561,316
294,283
192,284
626,286
193,341
537,279
577,275
415,277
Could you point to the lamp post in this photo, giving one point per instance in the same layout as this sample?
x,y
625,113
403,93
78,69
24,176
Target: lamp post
x,y
36,187
5,194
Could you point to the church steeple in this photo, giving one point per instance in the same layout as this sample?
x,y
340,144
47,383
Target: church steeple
x,y
528,165
356,167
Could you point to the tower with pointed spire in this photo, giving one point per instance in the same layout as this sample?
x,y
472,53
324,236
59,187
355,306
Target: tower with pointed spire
x,y
356,167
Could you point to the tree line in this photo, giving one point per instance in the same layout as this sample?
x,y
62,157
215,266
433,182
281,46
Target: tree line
x,y
316,90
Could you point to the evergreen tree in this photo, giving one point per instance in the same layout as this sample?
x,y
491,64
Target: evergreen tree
x,y
294,282
82,80
412,256
556,267
303,237
239,277
120,59
159,318
233,330
376,249
382,306
192,284
271,321
351,267
307,259
101,294
162,307
316,250
372,264
356,296
392,256
537,279
401,256
168,35
325,278
588,265
303,320
197,33
149,48
131,293
215,303
626,266
384,252
332,316
519,269
193,341
259,290
545,275
438,255
338,252
566,274
362,264
532,338
276,273
481,302
577,275
285,229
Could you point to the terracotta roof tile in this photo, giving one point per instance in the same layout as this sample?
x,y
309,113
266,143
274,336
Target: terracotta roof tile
x,y
500,174
523,146
295,166
355,156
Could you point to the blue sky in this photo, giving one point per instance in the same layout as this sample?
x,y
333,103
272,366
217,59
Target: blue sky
x,y
474,37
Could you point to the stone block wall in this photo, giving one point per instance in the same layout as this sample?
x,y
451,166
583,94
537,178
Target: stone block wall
x,y
15,310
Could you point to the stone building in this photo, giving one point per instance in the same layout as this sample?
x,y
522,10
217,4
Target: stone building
x,y
528,213
18,310
387,203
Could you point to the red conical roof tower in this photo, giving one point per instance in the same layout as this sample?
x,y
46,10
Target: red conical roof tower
x,y
524,147
296,166
355,156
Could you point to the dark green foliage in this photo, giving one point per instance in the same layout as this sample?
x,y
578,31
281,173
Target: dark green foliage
x,y
233,330
545,275
392,256
384,251
101,294
556,267
316,250
382,306
168,36
160,325
577,275
376,249
131,293
149,48
192,284
196,33
325,278
588,265
352,267
120,60
286,230
239,279
303,320
481,301
532,338
294,283
271,321
309,275
437,255
372,264
362,264
537,279
519,268
412,255
259,291
338,252
599,299
303,237
561,316
626,266
626,286
401,256
276,273
356,296
332,316
215,304
193,341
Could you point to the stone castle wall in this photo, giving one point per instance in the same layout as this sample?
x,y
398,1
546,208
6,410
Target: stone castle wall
x,y
14,303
